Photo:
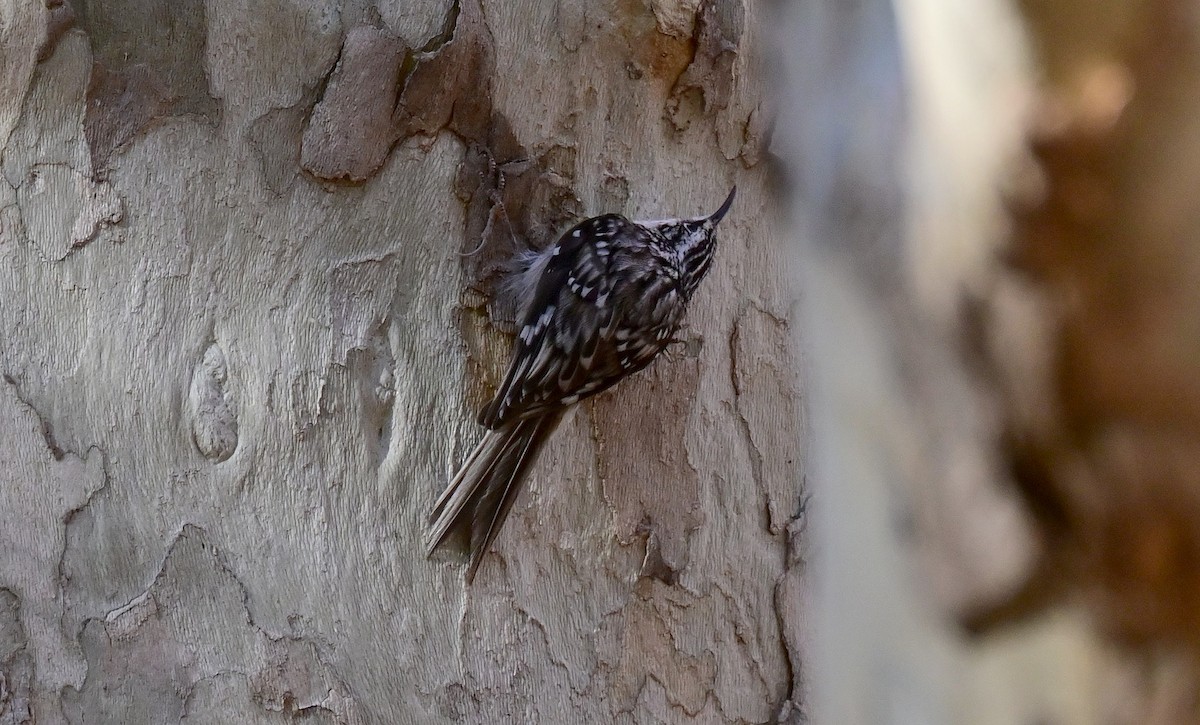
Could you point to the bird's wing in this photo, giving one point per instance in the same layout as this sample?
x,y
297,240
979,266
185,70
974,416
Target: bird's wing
x,y
565,349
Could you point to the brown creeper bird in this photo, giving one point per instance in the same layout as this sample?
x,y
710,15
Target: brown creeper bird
x,y
596,306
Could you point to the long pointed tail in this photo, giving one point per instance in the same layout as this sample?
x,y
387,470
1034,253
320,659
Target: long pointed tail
x,y
479,497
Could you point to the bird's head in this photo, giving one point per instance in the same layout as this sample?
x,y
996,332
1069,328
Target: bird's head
x,y
694,241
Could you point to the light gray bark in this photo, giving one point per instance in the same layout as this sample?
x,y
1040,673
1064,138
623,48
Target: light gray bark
x,y
242,348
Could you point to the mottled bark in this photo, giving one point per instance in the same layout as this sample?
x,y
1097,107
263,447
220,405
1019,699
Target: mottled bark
x,y
246,259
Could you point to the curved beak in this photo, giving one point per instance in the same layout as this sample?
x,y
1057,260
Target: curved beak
x,y
720,213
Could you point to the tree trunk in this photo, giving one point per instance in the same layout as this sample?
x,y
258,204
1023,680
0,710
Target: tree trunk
x,y
247,251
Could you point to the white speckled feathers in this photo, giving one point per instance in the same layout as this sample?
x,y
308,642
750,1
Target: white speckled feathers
x,y
597,306
587,322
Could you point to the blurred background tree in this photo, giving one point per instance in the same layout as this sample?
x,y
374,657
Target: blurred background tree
x,y
999,209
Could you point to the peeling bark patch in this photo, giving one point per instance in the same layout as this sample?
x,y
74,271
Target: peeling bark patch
x,y
653,565
676,17
227,698
294,681
58,229
614,192
760,366
276,138
16,689
570,24
685,106
46,429
787,600
150,61
306,402
363,300
362,295
121,104
12,632
655,50
146,657
457,704
372,370
707,82
756,137
214,418
381,393
34,521
380,93
16,664
60,17
651,652
351,129
450,81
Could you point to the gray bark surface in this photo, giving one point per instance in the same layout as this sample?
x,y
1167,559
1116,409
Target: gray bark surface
x,y
244,336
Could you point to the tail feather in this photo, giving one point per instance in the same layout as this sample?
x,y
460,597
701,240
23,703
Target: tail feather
x,y
480,496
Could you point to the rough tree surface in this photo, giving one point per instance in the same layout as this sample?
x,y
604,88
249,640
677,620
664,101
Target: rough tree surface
x,y
246,256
